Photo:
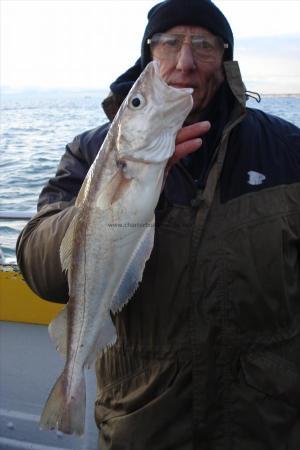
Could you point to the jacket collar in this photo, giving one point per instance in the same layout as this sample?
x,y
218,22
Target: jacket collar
x,y
235,82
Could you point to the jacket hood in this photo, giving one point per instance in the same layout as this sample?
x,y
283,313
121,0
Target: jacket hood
x,y
120,88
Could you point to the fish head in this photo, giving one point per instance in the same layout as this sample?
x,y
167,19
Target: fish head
x,y
150,117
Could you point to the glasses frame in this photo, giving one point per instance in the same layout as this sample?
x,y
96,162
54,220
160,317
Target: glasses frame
x,y
224,45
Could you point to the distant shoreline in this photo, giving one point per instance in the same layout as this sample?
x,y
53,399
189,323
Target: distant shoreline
x,y
281,95
4,91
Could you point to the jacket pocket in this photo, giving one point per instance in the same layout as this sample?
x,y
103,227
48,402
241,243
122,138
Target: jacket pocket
x,y
267,402
136,390
148,410
272,375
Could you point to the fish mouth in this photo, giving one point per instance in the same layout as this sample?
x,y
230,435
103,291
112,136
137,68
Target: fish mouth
x,y
178,86
182,87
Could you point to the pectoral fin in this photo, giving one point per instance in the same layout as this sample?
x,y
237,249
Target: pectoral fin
x,y
113,190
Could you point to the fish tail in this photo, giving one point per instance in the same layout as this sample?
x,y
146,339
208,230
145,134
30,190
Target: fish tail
x,y
64,412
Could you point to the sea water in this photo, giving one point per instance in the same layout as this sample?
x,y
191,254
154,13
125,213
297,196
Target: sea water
x,y
35,128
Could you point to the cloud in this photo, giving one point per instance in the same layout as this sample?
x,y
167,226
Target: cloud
x,y
270,64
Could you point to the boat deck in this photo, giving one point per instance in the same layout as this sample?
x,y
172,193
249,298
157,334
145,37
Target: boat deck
x,y
29,366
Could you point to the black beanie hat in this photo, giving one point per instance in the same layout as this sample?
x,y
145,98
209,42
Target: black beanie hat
x,y
201,13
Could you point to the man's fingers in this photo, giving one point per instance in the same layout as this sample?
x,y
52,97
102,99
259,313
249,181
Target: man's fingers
x,y
192,131
185,148
188,141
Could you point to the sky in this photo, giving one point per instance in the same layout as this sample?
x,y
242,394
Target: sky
x,y
86,44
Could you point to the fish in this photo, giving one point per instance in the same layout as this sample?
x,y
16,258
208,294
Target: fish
x,y
110,239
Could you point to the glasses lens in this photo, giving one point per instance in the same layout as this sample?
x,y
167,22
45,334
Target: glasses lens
x,y
168,46
206,48
163,44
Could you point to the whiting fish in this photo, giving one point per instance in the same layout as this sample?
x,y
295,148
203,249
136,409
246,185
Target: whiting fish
x,y
107,244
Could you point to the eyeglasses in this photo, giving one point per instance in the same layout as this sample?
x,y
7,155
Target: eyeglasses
x,y
168,46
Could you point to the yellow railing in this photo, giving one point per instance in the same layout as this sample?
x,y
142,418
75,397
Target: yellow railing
x,y
18,303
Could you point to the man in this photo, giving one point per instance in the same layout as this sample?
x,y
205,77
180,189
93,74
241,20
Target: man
x,y
208,350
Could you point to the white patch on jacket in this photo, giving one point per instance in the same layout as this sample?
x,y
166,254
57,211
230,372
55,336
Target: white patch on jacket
x,y
255,178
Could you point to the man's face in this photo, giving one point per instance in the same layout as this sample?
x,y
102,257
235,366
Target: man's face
x,y
187,69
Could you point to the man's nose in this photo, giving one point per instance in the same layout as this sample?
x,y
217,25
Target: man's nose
x,y
186,61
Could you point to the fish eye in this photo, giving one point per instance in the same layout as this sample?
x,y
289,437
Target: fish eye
x,y
137,101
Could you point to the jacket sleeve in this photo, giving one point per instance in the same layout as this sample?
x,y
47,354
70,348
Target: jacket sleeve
x,y
39,243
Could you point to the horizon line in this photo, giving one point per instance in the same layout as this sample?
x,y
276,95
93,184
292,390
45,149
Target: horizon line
x,y
4,89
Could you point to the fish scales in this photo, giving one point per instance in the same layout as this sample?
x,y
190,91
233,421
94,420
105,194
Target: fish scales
x,y
111,236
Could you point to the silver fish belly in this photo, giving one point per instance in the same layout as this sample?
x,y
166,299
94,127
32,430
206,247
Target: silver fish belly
x,y
111,236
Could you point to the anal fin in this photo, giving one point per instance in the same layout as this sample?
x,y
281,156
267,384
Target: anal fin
x,y
133,272
58,328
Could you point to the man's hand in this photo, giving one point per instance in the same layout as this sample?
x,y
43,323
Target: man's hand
x,y
187,141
